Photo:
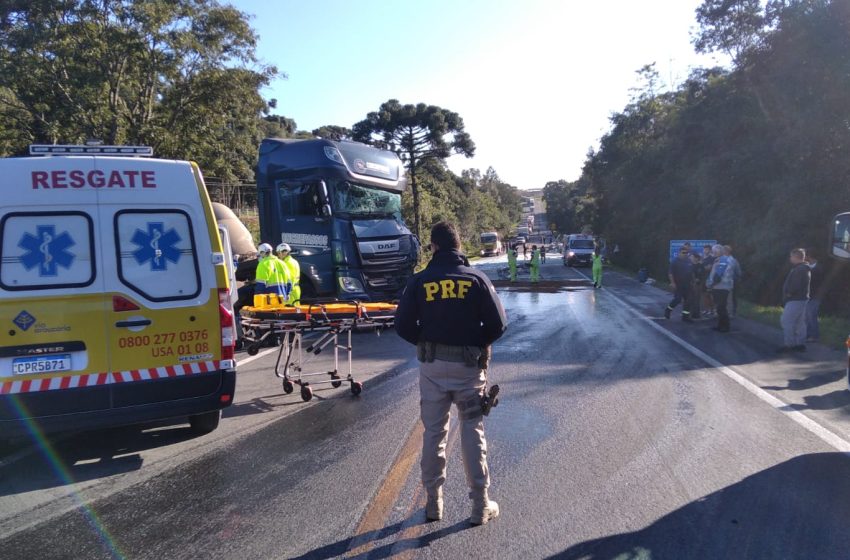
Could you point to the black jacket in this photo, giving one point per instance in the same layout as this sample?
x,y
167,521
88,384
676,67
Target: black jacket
x,y
817,286
450,303
796,287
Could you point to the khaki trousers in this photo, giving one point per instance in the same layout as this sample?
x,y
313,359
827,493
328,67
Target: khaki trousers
x,y
441,384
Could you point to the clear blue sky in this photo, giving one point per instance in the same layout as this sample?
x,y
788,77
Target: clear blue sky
x,y
534,80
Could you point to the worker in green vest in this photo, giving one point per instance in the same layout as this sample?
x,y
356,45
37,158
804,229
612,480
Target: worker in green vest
x,y
535,263
284,253
512,262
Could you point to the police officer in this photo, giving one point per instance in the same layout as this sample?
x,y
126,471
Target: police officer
x,y
452,313
284,253
272,275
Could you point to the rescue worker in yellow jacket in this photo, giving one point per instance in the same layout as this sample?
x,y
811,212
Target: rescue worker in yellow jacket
x,y
284,253
272,275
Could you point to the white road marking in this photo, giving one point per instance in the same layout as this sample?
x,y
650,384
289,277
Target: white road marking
x,y
820,431
249,359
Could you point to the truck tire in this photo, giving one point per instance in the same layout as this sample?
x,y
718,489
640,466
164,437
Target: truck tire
x,y
205,423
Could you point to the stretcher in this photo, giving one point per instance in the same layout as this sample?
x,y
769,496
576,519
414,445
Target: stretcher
x,y
322,325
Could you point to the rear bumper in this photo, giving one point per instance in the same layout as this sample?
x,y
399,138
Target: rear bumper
x,y
115,405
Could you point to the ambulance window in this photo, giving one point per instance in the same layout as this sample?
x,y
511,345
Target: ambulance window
x,y
45,250
156,254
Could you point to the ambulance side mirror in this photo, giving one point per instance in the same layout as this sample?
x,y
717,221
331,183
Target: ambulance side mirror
x,y
840,237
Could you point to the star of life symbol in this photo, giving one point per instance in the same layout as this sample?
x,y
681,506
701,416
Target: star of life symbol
x,y
46,250
157,246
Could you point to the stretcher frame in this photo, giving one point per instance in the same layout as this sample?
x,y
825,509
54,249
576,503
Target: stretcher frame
x,y
291,332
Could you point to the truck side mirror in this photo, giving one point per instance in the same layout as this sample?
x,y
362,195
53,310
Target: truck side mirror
x,y
323,193
326,210
840,238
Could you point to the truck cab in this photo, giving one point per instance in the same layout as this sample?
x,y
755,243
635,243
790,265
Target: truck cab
x,y
338,205
491,245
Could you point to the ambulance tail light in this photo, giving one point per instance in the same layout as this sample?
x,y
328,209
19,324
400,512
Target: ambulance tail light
x,y
120,303
228,336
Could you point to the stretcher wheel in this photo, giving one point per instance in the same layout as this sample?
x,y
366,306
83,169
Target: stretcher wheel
x,y
253,350
288,387
306,393
335,384
356,388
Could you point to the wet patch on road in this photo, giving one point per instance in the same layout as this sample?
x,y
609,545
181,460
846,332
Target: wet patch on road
x,y
544,286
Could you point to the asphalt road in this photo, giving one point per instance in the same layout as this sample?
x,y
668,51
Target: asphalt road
x,y
618,435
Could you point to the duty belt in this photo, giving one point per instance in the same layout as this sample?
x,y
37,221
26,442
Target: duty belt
x,y
471,356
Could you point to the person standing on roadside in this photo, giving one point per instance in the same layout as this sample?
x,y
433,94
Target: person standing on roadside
x,y
816,289
721,281
698,284
708,298
795,296
535,263
512,262
681,275
452,314
524,252
736,274
597,267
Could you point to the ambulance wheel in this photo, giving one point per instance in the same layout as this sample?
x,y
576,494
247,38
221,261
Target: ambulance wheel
x,y
335,384
206,422
356,388
288,387
306,393
253,350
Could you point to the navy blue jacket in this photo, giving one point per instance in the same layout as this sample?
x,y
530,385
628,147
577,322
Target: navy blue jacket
x,y
450,303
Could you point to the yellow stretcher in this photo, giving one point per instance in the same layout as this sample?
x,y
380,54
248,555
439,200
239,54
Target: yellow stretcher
x,y
272,320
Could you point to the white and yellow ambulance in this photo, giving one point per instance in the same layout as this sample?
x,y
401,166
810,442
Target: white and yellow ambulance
x,y
114,293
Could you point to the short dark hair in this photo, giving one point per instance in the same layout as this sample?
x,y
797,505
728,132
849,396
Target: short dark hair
x,y
444,235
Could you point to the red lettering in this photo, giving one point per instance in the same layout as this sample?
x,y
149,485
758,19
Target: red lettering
x,y
148,180
96,178
78,179
39,179
131,175
115,180
57,180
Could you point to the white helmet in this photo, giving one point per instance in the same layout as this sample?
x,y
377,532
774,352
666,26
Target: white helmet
x,y
283,248
264,249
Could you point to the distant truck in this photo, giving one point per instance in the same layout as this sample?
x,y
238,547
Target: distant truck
x,y
338,205
578,249
491,245
522,231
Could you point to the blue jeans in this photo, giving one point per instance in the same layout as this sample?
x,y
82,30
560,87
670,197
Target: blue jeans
x,y
812,326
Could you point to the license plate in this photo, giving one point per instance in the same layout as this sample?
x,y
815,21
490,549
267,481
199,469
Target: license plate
x,y
41,364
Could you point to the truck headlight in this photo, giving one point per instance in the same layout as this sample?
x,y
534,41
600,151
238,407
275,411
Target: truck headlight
x,y
350,284
571,254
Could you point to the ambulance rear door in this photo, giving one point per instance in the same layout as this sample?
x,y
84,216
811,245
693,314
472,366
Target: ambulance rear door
x,y
53,353
165,335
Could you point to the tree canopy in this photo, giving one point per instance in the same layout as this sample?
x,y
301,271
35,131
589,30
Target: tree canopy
x,y
179,75
418,134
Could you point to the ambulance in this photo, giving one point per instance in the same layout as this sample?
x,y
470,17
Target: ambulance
x,y
115,301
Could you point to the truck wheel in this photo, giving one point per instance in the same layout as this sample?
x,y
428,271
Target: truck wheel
x,y
206,422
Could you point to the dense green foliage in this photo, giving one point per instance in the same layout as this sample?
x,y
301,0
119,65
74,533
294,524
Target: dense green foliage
x,y
178,75
757,156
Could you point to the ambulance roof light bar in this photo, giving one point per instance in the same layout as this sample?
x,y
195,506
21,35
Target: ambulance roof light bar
x,y
73,150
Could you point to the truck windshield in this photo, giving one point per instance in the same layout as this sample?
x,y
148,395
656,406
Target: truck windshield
x,y
581,244
488,238
362,201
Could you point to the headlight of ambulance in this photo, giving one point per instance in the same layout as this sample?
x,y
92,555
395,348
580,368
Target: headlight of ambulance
x,y
349,284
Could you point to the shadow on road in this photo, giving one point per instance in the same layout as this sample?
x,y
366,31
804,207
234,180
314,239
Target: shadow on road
x,y
58,460
795,510
830,401
390,549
